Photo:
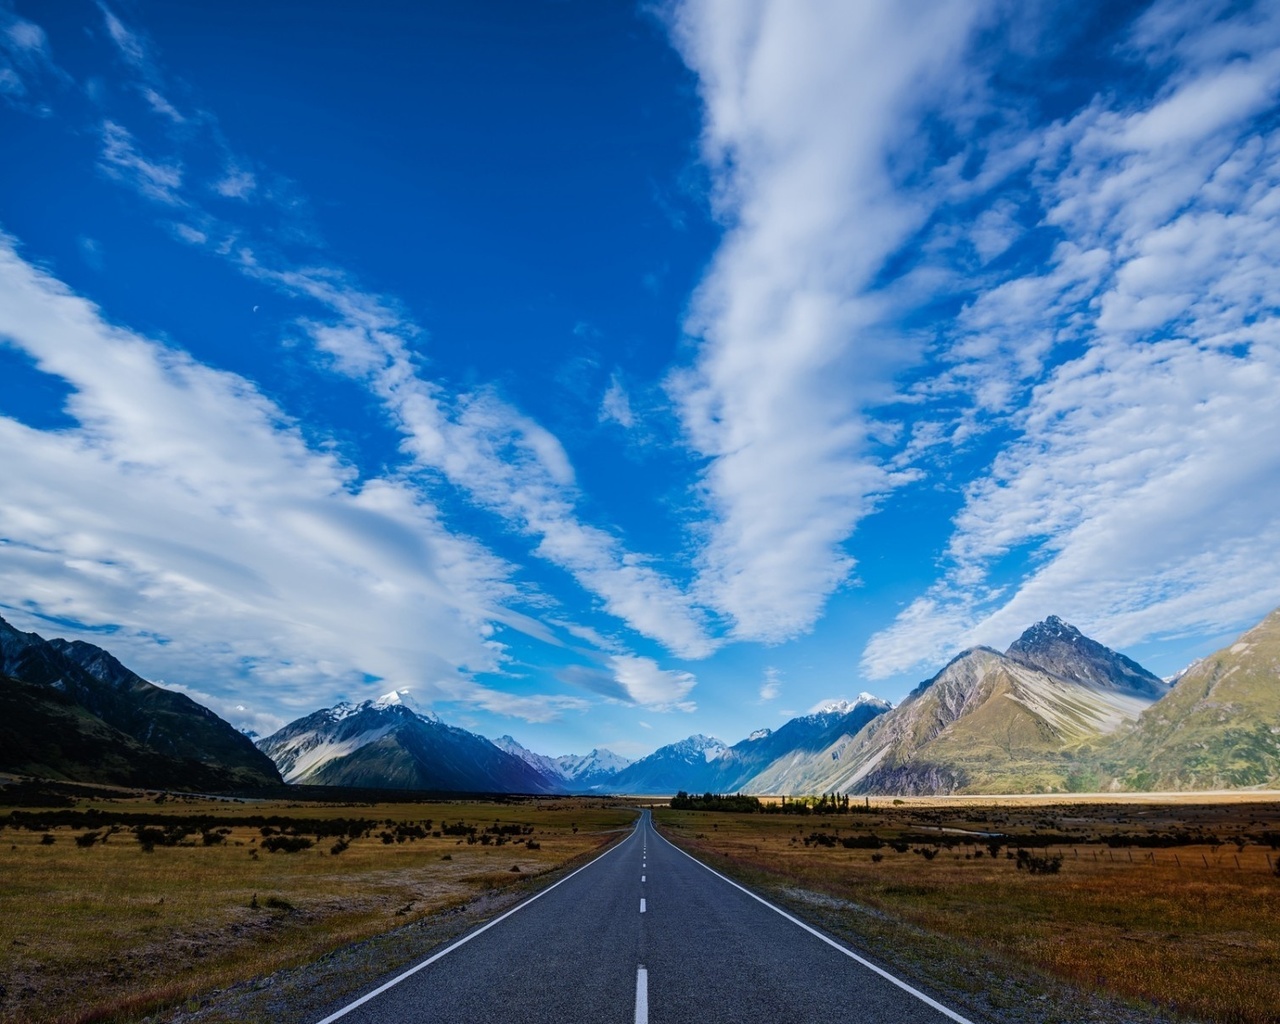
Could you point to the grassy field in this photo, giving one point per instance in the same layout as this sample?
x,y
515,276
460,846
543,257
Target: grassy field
x,y
173,898
1173,902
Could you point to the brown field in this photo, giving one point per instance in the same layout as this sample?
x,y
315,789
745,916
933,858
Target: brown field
x,y
112,932
1172,902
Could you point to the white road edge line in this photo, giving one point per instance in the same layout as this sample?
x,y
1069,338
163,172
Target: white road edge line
x,y
471,935
642,995
945,1011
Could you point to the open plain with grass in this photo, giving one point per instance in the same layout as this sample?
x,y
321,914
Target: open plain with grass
x,y
1172,902
175,898
115,906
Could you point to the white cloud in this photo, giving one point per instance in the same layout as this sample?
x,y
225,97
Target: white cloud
x,y
26,63
771,688
650,686
162,106
615,407
1143,482
225,548
237,183
806,108
121,159
128,42
502,459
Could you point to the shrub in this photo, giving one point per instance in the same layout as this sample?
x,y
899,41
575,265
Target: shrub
x,y
862,842
286,844
213,838
87,840
47,839
1039,865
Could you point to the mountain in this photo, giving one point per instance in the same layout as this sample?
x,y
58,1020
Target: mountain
x,y
387,744
688,765
1058,648
764,759
1219,726
576,773
174,742
988,723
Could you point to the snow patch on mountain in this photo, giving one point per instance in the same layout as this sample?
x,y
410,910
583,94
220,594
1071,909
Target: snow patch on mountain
x,y
310,750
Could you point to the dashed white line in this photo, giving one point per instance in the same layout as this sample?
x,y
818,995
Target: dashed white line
x,y
642,878
945,1011
642,995
642,904
471,935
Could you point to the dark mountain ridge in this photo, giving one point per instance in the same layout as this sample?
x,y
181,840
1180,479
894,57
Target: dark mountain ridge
x,y
103,701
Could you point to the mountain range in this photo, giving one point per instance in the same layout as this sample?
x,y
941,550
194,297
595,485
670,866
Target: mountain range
x,y
1056,711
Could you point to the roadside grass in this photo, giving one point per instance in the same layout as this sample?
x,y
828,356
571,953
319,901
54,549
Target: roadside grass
x,y
108,931
1175,905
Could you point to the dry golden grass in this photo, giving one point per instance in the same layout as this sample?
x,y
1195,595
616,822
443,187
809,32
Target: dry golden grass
x,y
1194,928
111,932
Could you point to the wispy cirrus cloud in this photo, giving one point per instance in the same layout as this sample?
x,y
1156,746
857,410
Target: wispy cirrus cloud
x,y
27,67
807,109
1140,476
154,179
502,459
190,505
476,442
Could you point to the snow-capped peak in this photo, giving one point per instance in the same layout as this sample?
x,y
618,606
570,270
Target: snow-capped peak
x,y
395,697
760,734
841,706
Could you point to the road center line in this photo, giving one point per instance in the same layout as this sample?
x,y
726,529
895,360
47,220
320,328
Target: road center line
x,y
642,995
945,1011
642,878
471,935
642,904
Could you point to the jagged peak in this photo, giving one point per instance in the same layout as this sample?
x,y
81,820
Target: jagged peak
x,y
760,734
1048,629
388,702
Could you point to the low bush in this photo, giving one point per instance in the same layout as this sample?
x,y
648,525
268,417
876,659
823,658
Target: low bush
x,y
286,844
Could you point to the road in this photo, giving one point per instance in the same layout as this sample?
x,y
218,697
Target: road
x,y
644,933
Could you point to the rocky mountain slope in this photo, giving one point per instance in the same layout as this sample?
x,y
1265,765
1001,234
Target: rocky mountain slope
x,y
388,744
988,722
1218,728
88,700
765,759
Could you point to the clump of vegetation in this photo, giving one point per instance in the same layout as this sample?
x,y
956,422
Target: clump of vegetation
x,y
737,803
287,844
1039,865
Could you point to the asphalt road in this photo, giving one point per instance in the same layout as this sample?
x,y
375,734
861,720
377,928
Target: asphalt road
x,y
644,933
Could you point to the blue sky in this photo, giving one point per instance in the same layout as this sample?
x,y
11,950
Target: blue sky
x,y
606,373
